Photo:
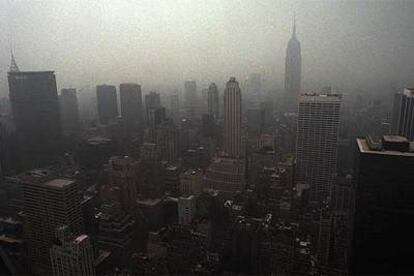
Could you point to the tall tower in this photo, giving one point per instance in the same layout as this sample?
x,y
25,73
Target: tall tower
x,y
35,108
107,103
69,111
190,98
316,142
48,203
232,119
293,71
131,104
213,100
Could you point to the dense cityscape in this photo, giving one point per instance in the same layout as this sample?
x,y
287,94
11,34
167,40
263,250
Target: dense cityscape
x,y
204,180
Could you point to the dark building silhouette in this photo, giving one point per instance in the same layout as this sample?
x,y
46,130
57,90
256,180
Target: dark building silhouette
x,y
131,104
213,101
35,108
107,103
232,119
152,102
190,99
69,111
293,71
403,113
384,208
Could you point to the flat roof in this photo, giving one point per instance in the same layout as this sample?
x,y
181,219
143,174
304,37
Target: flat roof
x,y
313,97
30,72
364,148
59,183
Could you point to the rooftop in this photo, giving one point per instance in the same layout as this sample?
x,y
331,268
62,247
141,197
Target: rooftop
x,y
59,183
314,97
365,146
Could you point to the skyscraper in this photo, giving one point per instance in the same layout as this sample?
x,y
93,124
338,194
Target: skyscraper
x,y
152,102
293,71
72,254
384,209
190,98
213,101
69,111
316,142
49,202
35,108
131,104
403,113
107,103
232,119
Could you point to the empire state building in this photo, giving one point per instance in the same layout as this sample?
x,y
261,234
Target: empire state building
x,y
293,70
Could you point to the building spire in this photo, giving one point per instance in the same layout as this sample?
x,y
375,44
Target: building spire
x,y
13,64
294,25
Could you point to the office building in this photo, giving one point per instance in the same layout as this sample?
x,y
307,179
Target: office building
x,y
186,209
122,181
190,99
226,175
72,254
384,211
35,108
213,101
174,108
152,102
191,182
232,119
317,141
117,233
293,71
403,114
167,141
131,104
69,111
107,103
49,202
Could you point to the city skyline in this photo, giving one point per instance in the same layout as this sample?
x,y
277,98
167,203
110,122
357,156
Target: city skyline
x,y
349,59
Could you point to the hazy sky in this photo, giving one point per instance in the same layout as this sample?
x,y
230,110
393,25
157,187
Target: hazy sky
x,y
164,42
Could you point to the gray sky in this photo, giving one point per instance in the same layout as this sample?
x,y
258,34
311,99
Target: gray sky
x,y
161,43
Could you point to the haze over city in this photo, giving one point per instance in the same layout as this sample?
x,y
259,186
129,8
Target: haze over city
x,y
216,137
160,44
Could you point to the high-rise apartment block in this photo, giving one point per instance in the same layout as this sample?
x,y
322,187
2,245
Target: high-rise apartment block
x,y
232,119
107,103
316,142
131,104
403,114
